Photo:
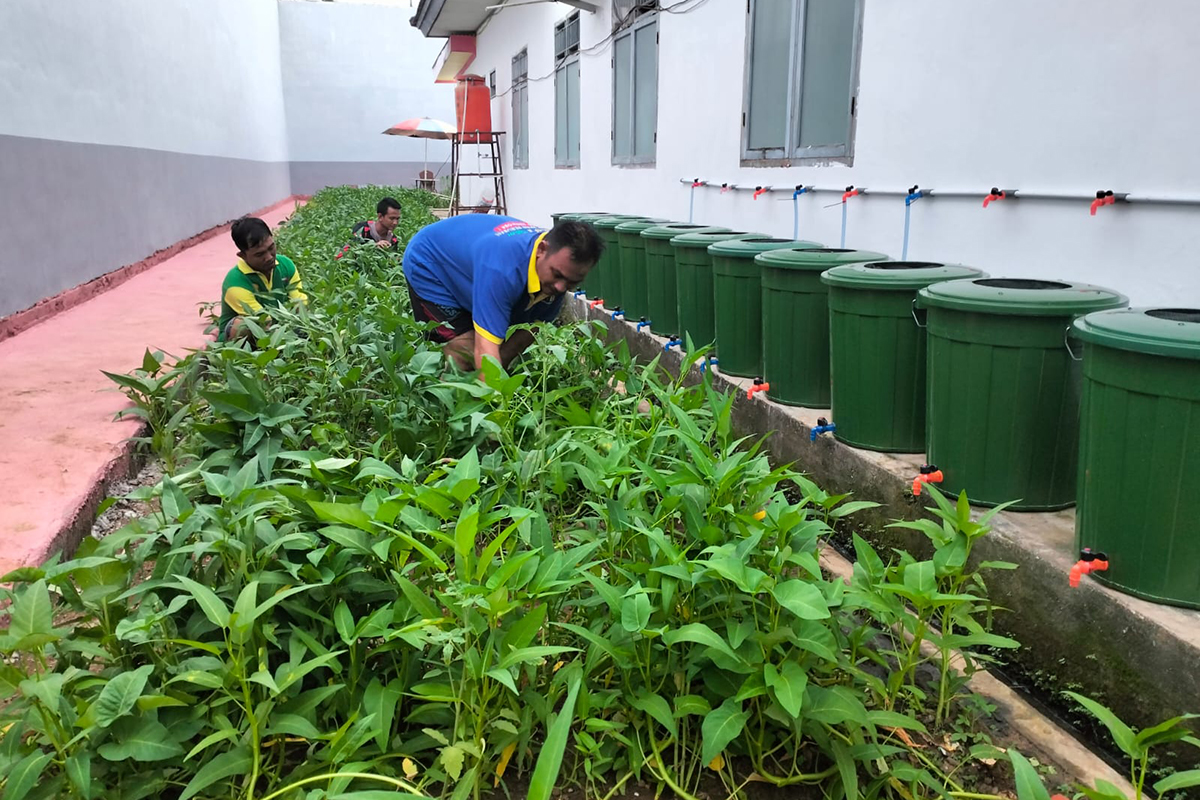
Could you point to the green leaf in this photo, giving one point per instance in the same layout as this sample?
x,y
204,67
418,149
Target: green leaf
x,y
1029,785
1121,733
344,513
117,697
721,727
787,683
699,633
549,762
227,765
1167,731
656,707
504,677
846,509
79,772
344,621
1180,780
292,725
525,654
212,606
834,706
847,769
921,578
635,613
805,600
149,741
381,701
892,719
691,705
24,776
31,612
521,632
452,759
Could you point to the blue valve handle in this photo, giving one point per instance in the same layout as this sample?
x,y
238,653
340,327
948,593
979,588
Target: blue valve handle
x,y
644,323
618,313
578,292
675,342
704,364
818,430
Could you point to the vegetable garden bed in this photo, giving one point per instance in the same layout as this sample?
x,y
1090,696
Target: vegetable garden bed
x,y
373,576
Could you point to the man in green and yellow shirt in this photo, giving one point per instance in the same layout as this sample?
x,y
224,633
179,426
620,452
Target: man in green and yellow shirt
x,y
258,280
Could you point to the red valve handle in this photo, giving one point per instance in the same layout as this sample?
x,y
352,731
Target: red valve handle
x,y
849,193
992,197
1102,201
724,188
927,477
598,301
697,184
1082,568
756,388
761,190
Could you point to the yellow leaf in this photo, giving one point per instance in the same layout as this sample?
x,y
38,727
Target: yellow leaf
x,y
761,514
410,769
559,666
505,755
718,763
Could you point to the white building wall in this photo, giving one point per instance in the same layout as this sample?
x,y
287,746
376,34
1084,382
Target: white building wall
x,y
1071,96
350,71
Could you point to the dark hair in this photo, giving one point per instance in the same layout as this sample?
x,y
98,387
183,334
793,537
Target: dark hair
x,y
249,232
383,205
586,245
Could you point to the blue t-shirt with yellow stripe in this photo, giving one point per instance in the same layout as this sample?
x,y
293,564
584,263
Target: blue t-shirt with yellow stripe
x,y
485,265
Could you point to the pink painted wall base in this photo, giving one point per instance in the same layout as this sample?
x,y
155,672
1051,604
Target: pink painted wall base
x,y
59,445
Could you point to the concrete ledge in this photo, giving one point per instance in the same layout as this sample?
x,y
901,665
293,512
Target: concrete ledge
x,y
1137,657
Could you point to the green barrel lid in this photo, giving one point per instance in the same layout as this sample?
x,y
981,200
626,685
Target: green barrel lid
x,y
814,258
705,238
639,225
673,229
897,275
1173,332
612,221
749,248
577,216
1021,297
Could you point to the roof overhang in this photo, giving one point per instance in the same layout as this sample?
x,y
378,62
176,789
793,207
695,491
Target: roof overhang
x,y
444,18
456,56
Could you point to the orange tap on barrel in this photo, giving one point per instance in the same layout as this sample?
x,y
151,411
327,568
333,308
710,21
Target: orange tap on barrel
x,y
929,474
1088,563
759,386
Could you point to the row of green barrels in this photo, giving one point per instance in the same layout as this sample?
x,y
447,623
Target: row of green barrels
x,y
986,376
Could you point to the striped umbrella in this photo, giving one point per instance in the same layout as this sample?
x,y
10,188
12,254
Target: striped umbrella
x,y
422,128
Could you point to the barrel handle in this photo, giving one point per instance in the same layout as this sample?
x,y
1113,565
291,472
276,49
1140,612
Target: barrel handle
x,y
1067,344
917,319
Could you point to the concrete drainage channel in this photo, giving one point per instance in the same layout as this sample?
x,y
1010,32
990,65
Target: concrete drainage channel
x,y
1137,657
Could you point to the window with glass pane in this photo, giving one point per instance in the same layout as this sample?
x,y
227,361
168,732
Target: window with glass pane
x,y
635,92
800,79
566,92
520,110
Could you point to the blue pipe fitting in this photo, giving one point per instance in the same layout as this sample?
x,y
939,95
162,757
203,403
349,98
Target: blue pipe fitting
x,y
618,312
710,360
823,426
675,341
914,194
578,292
799,191
643,323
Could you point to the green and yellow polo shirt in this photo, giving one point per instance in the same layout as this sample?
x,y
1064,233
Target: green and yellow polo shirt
x,y
247,291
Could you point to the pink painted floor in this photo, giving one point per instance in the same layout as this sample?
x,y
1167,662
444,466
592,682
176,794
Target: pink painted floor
x,y
57,434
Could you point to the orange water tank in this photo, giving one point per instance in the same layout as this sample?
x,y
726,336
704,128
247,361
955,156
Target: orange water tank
x,y
473,109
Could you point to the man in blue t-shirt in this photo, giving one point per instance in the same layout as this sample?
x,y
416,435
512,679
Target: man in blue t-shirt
x,y
479,274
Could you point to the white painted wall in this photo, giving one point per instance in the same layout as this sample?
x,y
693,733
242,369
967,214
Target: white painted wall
x,y
1070,96
192,76
352,71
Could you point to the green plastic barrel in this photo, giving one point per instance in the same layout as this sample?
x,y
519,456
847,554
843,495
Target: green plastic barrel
x,y
1139,451
877,351
795,320
633,269
593,284
695,308
661,274
737,295
1003,391
610,263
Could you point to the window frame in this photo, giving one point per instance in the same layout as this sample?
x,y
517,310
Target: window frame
x,y
791,154
564,58
643,19
519,88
